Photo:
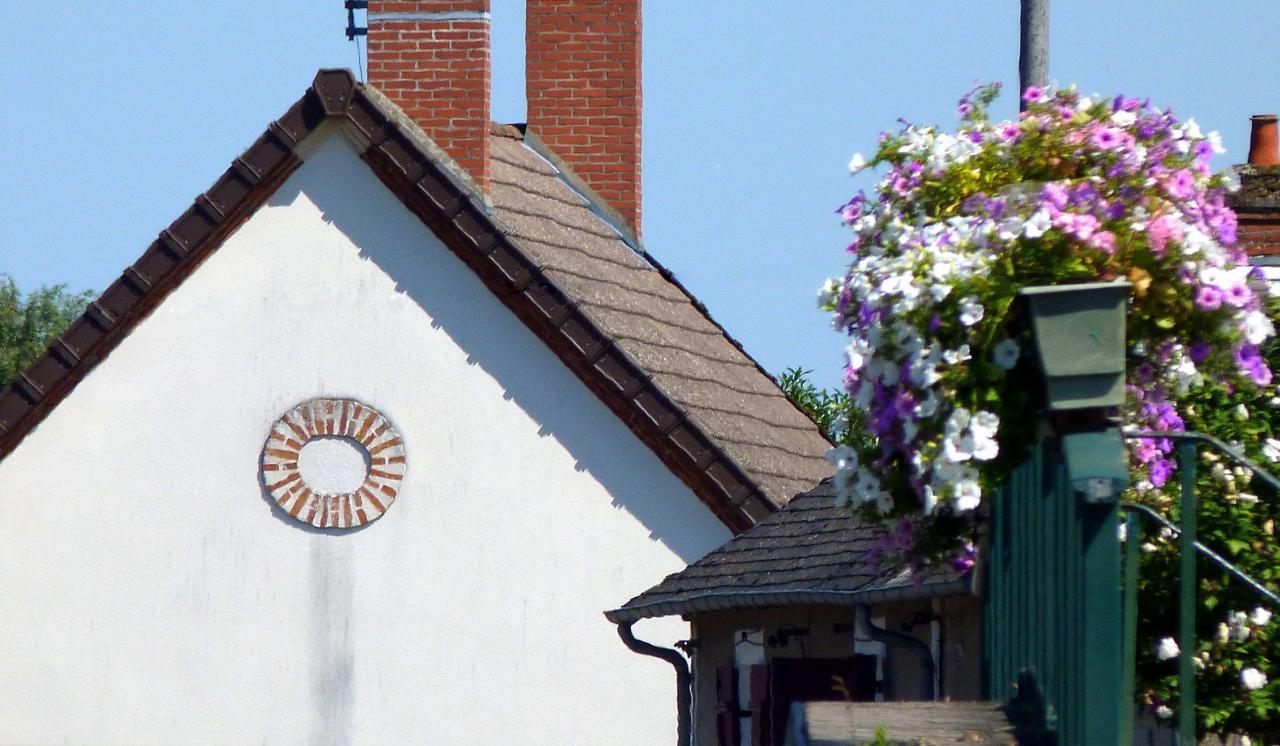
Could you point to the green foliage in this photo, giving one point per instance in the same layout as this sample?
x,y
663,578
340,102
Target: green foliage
x,y
29,323
1236,517
831,409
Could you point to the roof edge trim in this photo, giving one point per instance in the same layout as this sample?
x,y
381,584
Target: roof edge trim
x,y
741,600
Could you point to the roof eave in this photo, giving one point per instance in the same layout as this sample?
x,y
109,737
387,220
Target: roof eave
x,y
745,600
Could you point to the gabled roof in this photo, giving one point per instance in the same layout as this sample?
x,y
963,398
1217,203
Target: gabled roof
x,y
809,552
547,249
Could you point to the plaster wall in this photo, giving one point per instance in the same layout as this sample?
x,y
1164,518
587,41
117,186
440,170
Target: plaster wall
x,y
153,594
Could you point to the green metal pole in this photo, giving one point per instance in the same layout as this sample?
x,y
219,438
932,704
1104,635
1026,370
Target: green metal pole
x,y
1187,595
1132,553
1100,633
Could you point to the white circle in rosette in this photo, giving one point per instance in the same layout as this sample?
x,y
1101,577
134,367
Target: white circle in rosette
x,y
333,463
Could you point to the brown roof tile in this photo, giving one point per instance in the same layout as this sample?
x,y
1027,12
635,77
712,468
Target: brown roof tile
x,y
655,322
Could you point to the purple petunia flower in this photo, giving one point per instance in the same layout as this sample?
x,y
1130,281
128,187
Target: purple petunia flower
x,y
1054,194
1106,138
1182,184
1033,94
1208,298
1199,352
1248,355
1260,374
1161,470
1238,296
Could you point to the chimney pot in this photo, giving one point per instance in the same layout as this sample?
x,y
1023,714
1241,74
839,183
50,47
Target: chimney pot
x,y
1264,150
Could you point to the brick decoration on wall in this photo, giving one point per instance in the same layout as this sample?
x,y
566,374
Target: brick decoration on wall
x,y
367,429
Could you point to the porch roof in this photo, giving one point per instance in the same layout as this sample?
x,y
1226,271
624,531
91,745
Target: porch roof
x,y
809,552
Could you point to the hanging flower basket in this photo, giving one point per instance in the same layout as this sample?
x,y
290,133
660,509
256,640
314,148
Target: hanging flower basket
x,y
1079,333
1103,217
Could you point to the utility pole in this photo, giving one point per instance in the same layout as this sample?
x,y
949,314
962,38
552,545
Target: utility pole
x,y
1033,49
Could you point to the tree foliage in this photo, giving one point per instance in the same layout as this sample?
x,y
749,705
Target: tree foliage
x,y
29,322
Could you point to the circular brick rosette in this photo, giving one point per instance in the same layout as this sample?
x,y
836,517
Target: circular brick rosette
x,y
354,456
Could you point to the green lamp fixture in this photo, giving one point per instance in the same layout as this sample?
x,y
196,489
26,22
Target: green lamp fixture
x,y
1079,332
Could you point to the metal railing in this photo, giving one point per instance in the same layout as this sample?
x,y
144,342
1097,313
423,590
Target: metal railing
x,y
1189,547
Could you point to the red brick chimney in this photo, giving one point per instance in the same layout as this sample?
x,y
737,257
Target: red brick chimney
x,y
582,82
431,57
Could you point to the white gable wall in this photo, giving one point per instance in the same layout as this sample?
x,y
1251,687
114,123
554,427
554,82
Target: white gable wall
x,y
152,594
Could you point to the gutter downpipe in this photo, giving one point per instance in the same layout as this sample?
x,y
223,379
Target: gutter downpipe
x,y
901,640
684,679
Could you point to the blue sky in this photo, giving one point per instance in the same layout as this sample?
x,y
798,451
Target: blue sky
x,y
118,113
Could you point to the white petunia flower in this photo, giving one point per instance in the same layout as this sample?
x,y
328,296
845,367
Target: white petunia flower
x,y
1253,679
1241,412
1164,712
843,457
1011,228
957,356
985,449
1231,179
827,294
1238,625
1006,354
1124,118
968,494
971,311
884,502
927,406
1037,224
857,163
1167,649
1261,616
1215,142
844,482
958,421
984,424
957,448
1257,327
1271,449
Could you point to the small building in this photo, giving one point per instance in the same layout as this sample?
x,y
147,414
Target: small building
x,y
794,610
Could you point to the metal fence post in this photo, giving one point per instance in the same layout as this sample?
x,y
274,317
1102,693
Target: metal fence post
x,y
1187,595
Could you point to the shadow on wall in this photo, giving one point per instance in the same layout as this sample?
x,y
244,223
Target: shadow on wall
x,y
498,343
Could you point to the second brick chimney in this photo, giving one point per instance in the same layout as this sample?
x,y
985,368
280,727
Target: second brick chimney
x,y
582,82
431,57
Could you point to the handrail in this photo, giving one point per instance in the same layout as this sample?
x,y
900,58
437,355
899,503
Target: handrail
x,y
1216,443
1206,551
1242,459
1187,569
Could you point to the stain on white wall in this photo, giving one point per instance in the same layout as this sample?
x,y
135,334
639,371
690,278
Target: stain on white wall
x,y
153,594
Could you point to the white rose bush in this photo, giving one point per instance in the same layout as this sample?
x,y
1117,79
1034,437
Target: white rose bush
x,y
939,366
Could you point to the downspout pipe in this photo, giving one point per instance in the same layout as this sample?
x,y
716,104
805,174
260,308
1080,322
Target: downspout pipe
x,y
903,641
684,679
